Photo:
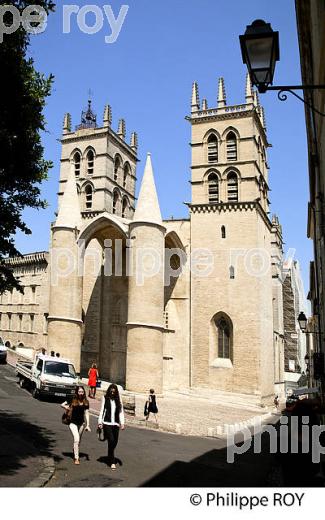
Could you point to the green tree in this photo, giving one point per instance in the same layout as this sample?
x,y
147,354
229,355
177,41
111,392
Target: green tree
x,y
22,165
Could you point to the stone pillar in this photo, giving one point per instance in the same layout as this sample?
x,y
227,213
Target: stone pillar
x,y
65,305
144,366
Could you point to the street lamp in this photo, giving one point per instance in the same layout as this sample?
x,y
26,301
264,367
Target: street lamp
x,y
260,52
302,320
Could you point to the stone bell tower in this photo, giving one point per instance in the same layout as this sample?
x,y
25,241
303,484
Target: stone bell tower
x,y
231,307
102,162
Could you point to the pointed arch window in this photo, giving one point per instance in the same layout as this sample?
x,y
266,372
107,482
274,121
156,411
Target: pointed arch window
x,y
213,183
223,232
89,196
231,143
126,171
77,163
117,164
90,162
124,207
224,339
115,201
232,187
212,148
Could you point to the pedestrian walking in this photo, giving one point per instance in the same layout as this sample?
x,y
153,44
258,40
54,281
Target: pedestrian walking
x,y
78,410
111,418
152,405
93,375
276,402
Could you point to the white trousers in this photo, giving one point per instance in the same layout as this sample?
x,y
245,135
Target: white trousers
x,y
76,434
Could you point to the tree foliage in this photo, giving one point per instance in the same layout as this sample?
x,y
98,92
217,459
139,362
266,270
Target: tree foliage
x,y
22,165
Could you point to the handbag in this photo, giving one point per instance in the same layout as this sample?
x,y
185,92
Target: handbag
x,y
145,411
101,434
98,383
66,417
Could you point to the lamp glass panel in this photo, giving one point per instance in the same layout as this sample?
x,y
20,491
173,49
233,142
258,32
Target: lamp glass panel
x,y
259,51
261,76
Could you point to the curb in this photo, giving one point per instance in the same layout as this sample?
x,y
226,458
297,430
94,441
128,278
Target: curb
x,y
220,432
45,476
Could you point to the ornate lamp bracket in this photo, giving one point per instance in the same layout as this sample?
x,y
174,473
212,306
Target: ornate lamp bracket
x,y
282,96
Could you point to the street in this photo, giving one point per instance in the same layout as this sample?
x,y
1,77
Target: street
x,y
31,430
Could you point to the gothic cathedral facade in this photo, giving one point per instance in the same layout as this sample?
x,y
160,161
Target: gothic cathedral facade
x,y
191,303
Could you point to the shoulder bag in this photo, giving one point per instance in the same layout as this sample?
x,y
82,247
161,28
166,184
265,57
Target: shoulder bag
x,y
66,417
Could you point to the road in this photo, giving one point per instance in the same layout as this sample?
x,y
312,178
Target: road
x,y
30,429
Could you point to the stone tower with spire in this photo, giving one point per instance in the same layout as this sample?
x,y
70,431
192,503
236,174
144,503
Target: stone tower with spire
x,y
231,305
102,162
146,293
65,291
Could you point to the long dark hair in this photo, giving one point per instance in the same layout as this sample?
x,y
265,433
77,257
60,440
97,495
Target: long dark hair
x,y
75,399
115,397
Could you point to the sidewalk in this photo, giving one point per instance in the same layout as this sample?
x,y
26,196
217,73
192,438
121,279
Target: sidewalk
x,y
188,414
198,412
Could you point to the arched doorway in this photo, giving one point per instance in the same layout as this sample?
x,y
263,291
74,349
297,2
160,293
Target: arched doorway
x,y
105,298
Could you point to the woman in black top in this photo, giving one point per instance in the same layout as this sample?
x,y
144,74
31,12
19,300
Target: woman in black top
x,y
111,418
152,404
79,413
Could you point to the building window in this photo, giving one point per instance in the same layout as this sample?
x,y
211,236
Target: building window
x,y
231,142
31,323
213,183
224,339
45,323
77,162
126,171
115,200
231,272
212,148
166,319
89,196
232,187
117,165
90,162
124,207
33,296
20,322
223,232
9,320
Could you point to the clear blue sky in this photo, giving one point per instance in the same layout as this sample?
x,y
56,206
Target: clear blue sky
x,y
146,77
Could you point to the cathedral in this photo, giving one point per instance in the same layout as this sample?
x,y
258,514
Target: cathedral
x,y
192,303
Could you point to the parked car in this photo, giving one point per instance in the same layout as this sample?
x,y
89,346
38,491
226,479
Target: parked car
x,y
3,354
48,376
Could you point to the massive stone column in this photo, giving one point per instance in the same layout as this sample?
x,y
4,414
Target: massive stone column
x,y
65,305
144,367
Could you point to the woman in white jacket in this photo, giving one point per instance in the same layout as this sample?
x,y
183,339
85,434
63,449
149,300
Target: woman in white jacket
x,y
111,418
